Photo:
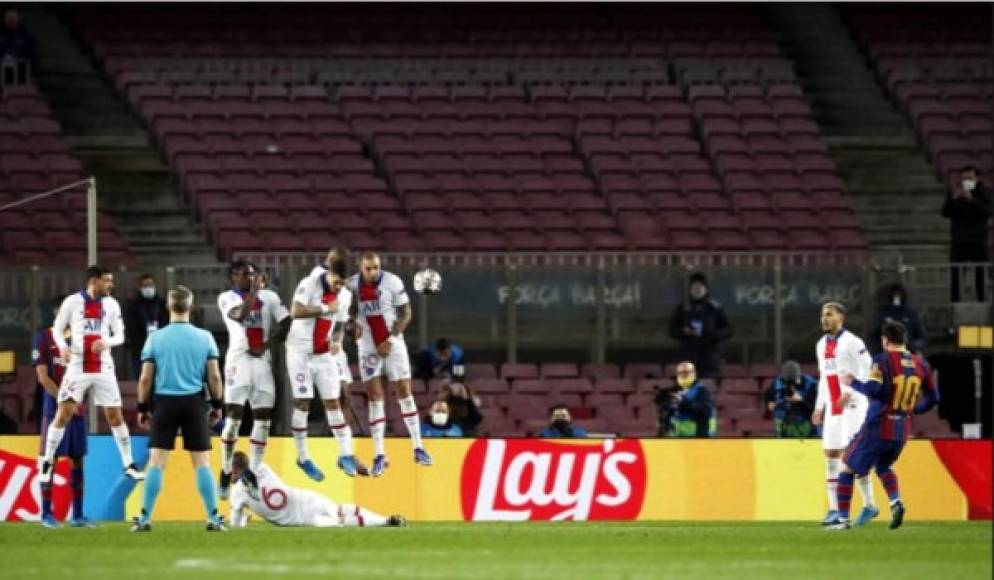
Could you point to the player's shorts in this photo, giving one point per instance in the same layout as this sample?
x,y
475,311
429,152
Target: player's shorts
x,y
76,383
188,413
344,372
318,511
868,451
838,430
249,378
396,366
74,441
308,371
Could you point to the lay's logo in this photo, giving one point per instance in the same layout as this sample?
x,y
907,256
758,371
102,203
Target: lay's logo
x,y
525,479
20,492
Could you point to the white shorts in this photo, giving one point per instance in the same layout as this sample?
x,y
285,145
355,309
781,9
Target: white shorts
x,y
838,430
395,367
313,370
319,511
249,378
344,372
75,384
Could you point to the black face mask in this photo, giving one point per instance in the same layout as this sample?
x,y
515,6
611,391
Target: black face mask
x,y
562,426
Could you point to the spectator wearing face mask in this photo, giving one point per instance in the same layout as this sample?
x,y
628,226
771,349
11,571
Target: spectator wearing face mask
x,y
464,408
700,324
896,308
145,313
561,425
692,410
439,422
968,207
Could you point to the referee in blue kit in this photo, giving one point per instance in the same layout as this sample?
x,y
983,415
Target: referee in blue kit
x,y
176,358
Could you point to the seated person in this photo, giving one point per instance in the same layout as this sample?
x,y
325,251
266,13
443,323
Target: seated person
x,y
439,422
561,425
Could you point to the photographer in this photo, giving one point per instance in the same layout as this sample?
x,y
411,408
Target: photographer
x,y
464,407
791,399
686,410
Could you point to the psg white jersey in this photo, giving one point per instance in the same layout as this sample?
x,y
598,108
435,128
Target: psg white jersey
x,y
838,354
256,327
377,309
89,320
313,335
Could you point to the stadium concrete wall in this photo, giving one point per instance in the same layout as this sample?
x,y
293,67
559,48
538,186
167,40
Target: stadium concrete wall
x,y
529,479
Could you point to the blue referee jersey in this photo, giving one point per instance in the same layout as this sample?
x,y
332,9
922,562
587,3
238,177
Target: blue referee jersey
x,y
180,352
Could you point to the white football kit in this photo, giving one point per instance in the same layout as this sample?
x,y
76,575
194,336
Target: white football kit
x,y
377,311
250,378
841,353
309,360
89,320
281,504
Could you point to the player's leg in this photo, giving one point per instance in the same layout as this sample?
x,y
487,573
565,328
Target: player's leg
x,y
343,436
302,385
76,448
107,394
353,516
833,442
397,368
854,417
47,516
71,392
158,457
377,423
197,440
229,437
409,411
889,480
263,399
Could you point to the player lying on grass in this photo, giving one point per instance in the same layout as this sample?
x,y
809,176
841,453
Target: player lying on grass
x,y
265,494
896,380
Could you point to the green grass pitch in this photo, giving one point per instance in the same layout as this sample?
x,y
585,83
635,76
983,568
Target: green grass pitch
x,y
571,551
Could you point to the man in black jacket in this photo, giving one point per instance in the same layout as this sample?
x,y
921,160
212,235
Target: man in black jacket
x,y
895,307
699,323
143,314
969,208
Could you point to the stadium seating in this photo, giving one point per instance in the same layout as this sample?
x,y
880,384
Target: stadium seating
x,y
34,158
480,130
935,65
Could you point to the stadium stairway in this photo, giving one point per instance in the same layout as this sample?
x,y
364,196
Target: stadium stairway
x,y
133,181
891,186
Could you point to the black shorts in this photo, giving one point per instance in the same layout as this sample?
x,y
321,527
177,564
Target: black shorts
x,y
185,412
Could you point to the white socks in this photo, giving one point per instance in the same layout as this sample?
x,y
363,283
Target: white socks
x,y
377,426
342,431
257,441
866,490
229,436
409,410
300,434
355,516
52,441
832,468
123,440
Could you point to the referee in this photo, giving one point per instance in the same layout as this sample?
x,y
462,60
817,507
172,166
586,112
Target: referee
x,y
177,357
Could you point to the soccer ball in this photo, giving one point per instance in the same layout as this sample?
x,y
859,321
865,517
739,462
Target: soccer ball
x,y
427,282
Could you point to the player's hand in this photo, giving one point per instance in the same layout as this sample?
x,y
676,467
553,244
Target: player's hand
x,y
99,346
258,351
334,349
215,416
817,416
846,379
64,356
357,331
143,419
383,349
845,397
333,306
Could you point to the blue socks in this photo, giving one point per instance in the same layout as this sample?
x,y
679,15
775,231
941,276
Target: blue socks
x,y
208,493
153,484
77,493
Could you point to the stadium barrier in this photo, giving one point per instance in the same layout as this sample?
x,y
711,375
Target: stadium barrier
x,y
531,479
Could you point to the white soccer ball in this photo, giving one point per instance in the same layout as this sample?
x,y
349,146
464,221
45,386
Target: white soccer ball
x,y
427,282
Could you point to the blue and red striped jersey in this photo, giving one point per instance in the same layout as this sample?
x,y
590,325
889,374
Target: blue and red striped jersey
x,y
897,380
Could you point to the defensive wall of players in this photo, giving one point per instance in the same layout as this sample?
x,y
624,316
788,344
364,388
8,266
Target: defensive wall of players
x,y
528,479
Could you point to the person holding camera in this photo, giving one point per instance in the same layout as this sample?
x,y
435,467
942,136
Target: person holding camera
x,y
464,407
687,409
791,399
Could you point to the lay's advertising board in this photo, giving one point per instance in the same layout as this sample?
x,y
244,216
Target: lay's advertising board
x,y
533,479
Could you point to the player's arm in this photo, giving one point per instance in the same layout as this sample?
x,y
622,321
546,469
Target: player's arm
x,y
116,327
145,383
872,387
862,360
930,397
404,312
62,320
